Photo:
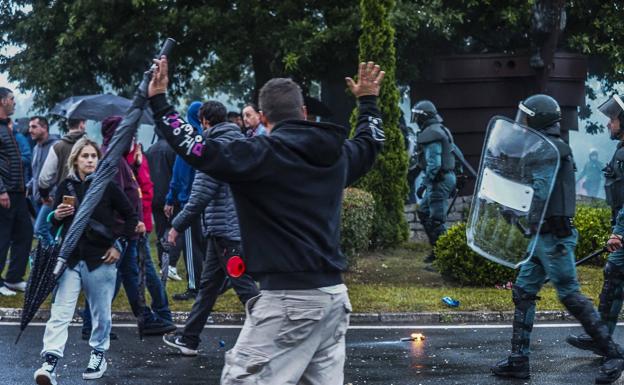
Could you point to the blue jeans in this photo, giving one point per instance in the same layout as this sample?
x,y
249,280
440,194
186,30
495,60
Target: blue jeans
x,y
98,286
42,226
128,274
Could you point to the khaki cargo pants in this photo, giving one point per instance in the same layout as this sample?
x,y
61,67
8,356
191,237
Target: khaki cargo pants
x,y
290,337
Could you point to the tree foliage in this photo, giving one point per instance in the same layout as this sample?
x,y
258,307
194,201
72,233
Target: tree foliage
x,y
79,47
386,181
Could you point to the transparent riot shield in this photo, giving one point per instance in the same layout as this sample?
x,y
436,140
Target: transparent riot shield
x,y
516,176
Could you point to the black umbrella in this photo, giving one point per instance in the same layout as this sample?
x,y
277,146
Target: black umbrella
x,y
105,172
41,281
96,107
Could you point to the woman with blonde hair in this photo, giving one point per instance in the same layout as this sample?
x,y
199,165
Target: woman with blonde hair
x,y
91,267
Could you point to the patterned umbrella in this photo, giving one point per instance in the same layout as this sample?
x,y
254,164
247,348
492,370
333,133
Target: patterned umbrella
x,y
41,281
40,286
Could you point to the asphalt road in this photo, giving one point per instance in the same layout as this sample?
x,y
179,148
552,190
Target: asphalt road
x,y
457,355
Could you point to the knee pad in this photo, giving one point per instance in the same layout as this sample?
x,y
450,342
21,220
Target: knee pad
x,y
522,299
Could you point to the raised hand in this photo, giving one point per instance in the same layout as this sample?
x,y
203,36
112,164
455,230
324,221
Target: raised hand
x,y
160,78
369,79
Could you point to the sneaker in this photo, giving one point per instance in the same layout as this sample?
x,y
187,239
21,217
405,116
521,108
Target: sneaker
x,y
5,291
17,286
45,375
175,341
515,366
173,274
189,294
158,327
96,367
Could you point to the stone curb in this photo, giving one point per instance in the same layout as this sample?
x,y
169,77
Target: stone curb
x,y
424,318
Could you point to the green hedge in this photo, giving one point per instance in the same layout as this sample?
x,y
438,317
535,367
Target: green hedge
x,y
594,227
358,210
456,261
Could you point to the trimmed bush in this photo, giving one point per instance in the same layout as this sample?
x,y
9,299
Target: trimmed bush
x,y
594,227
358,210
456,261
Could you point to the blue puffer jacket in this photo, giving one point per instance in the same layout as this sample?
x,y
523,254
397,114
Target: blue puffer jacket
x,y
212,196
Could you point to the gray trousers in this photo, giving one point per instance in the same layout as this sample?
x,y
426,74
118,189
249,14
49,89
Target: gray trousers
x,y
290,337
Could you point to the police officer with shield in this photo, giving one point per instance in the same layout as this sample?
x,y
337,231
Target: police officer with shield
x,y
612,292
554,258
435,157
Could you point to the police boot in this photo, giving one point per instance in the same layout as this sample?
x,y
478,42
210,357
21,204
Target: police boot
x,y
583,310
609,308
437,228
517,364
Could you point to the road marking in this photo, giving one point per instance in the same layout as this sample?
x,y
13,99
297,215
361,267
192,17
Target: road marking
x,y
353,327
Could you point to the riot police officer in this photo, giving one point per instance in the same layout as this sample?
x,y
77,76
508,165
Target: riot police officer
x,y
612,292
592,172
554,258
435,158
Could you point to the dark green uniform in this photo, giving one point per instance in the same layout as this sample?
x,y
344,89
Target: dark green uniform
x,y
554,258
436,159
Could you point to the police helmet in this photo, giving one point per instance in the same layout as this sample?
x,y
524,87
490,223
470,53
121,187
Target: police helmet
x,y
538,112
424,110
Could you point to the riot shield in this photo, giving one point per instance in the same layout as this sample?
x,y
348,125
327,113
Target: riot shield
x,y
516,176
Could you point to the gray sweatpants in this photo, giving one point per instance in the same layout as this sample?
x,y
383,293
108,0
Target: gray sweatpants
x,y
290,337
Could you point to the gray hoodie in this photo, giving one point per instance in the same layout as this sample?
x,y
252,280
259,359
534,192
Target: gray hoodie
x,y
40,153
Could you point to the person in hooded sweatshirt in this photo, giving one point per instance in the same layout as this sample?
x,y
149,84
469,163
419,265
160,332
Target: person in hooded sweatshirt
x,y
191,241
287,188
157,320
54,169
40,133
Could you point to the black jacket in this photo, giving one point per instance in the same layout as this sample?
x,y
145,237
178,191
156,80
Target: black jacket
x,y
160,158
11,171
113,201
287,188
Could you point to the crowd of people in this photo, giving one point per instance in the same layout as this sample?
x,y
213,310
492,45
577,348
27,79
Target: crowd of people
x,y
253,201
212,212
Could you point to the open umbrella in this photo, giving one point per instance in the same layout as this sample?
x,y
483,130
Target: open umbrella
x,y
105,172
97,107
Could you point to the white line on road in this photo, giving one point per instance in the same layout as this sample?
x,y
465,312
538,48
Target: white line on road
x,y
354,327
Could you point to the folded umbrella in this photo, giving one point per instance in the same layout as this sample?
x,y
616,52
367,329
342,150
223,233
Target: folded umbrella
x,y
55,261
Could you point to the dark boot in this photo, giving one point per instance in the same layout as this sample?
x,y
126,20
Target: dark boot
x,y
517,364
514,366
583,310
609,308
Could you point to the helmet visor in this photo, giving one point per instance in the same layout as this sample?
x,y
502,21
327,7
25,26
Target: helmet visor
x,y
612,108
416,113
523,114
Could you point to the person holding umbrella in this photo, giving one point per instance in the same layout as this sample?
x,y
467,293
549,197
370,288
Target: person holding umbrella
x,y
91,267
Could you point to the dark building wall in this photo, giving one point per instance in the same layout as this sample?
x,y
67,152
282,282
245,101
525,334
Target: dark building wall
x,y
470,89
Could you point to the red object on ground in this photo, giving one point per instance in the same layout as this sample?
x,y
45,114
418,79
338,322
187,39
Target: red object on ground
x,y
235,266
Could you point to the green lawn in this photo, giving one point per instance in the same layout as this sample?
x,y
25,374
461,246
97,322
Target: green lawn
x,y
389,281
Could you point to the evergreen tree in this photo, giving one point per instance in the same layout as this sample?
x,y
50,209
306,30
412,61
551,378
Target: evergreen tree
x,y
387,180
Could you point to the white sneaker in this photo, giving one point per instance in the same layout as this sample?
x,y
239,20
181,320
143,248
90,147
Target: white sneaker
x,y
46,375
96,367
18,286
173,274
6,291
